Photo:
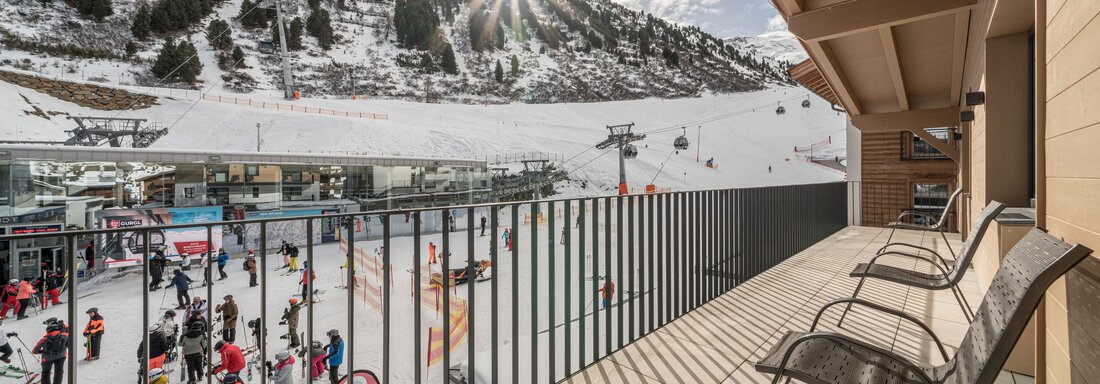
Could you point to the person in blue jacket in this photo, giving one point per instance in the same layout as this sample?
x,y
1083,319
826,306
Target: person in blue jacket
x,y
335,356
183,285
223,258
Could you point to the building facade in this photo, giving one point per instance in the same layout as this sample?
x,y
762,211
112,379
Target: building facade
x,y
48,189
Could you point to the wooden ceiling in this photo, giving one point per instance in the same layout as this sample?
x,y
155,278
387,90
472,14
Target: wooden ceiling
x,y
890,63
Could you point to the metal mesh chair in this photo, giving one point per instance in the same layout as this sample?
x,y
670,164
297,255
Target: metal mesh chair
x,y
1024,276
948,276
932,223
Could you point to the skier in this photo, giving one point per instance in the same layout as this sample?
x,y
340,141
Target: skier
x,y
157,376
507,237
282,372
232,359
5,348
483,220
53,349
334,356
51,284
285,251
10,297
156,270
26,291
223,258
606,293
316,359
89,255
197,307
293,257
290,318
94,333
228,309
562,240
250,266
307,271
158,348
167,326
182,282
185,262
196,318
232,378
193,343
431,253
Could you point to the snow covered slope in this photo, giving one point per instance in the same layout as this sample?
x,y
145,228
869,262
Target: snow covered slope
x,y
780,49
741,132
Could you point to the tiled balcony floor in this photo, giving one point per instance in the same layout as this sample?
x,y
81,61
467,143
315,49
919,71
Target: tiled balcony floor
x,y
722,340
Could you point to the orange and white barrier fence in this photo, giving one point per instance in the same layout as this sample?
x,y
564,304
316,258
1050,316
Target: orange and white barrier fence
x,y
292,108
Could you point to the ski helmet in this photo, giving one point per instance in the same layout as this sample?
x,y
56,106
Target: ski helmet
x,y
316,344
218,347
333,333
293,301
282,355
155,327
155,373
228,297
92,310
55,327
178,271
197,326
170,313
231,378
13,282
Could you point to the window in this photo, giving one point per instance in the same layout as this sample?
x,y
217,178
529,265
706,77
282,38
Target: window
x,y
930,199
255,191
189,193
220,177
915,148
251,170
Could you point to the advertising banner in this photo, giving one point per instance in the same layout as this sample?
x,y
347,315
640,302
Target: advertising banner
x,y
125,249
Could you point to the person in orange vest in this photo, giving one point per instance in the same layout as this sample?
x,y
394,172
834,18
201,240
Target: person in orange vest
x,y
431,254
606,293
94,333
26,291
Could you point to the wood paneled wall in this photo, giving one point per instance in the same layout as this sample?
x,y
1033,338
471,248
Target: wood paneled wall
x,y
888,180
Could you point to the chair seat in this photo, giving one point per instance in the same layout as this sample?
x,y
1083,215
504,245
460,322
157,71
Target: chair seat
x,y
933,281
827,361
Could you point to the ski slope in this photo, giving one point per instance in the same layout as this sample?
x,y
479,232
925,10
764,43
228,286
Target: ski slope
x,y
741,132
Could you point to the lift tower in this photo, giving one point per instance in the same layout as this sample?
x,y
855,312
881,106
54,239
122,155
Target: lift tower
x,y
619,136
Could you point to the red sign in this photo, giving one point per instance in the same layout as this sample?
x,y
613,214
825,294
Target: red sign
x,y
191,247
35,229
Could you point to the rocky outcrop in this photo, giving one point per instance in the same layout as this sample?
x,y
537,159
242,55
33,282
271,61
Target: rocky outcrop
x,y
85,95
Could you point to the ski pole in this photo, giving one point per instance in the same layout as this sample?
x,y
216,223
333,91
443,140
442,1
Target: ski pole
x,y
24,344
162,295
26,373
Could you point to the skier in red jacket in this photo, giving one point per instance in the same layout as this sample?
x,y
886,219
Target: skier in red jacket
x,y
232,358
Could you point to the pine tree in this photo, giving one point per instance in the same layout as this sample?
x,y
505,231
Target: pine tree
x,y
177,62
166,59
252,18
188,55
415,22
219,35
448,62
426,63
319,25
238,56
131,48
498,74
140,27
98,9
515,66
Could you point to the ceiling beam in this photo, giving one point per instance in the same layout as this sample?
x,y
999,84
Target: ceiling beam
x,y
889,47
935,142
857,16
958,58
838,82
791,6
906,120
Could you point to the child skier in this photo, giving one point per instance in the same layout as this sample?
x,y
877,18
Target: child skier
x,y
157,376
316,359
507,238
93,332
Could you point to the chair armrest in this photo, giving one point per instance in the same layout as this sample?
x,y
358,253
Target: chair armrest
x,y
884,309
884,247
918,214
847,340
909,255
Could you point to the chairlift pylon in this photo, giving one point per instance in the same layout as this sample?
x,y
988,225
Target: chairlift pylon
x,y
682,141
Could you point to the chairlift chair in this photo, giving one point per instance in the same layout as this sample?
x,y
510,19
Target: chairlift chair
x,y
629,151
682,141
806,103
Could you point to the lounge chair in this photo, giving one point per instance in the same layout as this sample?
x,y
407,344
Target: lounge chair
x,y
948,276
1024,276
931,223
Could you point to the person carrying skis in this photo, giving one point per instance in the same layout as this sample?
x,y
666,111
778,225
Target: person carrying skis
x,y
26,291
250,266
158,348
293,266
182,282
290,318
316,359
483,221
10,298
157,376
156,270
53,348
307,272
93,332
232,359
5,348
223,258
334,355
431,253
193,343
51,285
228,309
282,371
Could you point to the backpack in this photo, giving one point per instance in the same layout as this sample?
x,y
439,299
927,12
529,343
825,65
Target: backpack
x,y
54,345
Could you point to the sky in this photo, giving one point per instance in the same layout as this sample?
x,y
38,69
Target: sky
x,y
721,18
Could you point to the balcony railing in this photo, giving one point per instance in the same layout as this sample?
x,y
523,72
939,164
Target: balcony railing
x,y
529,309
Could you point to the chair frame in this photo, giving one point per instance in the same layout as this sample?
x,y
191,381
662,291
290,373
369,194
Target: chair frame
x,y
939,226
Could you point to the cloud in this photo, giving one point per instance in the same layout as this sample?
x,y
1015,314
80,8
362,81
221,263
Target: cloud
x,y
777,23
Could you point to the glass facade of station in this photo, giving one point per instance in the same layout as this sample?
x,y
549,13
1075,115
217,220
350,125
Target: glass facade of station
x,y
59,189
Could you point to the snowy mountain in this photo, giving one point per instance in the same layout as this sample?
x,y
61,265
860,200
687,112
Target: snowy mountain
x,y
542,51
780,49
